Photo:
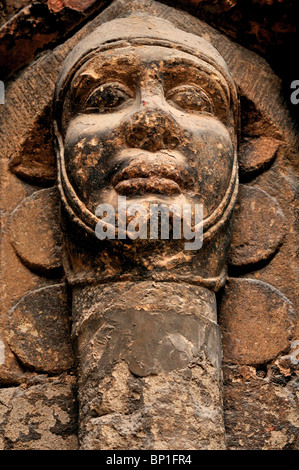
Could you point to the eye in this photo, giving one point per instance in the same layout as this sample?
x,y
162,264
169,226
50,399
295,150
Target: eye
x,y
106,98
190,98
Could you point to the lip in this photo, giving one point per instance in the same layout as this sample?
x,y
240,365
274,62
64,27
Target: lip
x,y
159,177
152,184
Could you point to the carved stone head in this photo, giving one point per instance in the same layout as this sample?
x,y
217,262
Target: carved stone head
x,y
150,112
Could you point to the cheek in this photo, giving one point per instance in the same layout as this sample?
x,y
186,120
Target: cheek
x,y
88,149
211,156
81,159
89,137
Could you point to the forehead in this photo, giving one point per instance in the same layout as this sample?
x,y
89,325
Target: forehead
x,y
135,60
143,54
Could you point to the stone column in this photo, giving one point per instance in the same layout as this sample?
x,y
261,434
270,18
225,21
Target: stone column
x,y
149,366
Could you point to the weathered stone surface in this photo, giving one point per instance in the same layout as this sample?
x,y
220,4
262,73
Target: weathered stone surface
x,y
77,5
34,159
10,8
266,26
259,413
282,270
149,362
255,123
259,227
146,370
250,72
16,279
256,320
255,154
162,326
11,374
134,413
35,231
37,26
39,330
40,417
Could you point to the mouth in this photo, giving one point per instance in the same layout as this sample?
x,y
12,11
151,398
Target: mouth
x,y
139,178
152,184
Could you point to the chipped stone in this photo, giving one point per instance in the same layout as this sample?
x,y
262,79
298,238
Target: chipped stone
x,y
40,417
39,330
35,231
259,227
256,320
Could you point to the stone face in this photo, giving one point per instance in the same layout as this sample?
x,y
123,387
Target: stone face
x,y
259,227
35,231
256,320
40,417
150,151
39,330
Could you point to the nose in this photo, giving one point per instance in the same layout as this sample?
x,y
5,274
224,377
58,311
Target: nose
x,y
152,129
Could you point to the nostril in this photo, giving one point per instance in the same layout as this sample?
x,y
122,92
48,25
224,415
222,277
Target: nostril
x,y
170,141
136,136
140,134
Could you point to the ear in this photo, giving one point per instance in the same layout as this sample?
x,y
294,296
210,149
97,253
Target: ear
x,y
34,160
259,143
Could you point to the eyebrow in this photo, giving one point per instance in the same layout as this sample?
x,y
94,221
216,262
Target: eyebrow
x,y
97,72
202,74
123,67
